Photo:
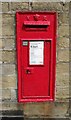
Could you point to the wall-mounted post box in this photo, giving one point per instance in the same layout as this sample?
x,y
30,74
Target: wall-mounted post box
x,y
36,55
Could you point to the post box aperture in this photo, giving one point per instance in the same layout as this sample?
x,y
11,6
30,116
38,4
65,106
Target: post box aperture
x,y
36,55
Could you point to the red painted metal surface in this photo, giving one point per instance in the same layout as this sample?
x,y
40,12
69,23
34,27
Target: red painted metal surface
x,y
36,82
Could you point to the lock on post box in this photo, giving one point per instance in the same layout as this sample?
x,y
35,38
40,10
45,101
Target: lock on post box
x,y
36,55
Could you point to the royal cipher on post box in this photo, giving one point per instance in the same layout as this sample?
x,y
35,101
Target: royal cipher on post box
x,y
36,55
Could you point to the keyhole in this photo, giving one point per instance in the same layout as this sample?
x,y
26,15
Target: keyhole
x,y
27,71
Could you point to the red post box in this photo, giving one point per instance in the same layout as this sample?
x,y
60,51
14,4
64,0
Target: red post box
x,y
36,55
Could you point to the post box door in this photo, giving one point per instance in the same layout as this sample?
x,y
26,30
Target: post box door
x,y
35,68
36,55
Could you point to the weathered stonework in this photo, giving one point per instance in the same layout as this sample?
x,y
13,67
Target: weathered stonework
x,y
55,110
6,94
63,42
63,55
63,30
63,17
58,108
9,82
8,44
8,69
5,7
8,25
0,44
14,6
54,6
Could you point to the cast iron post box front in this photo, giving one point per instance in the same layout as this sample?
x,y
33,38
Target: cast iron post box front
x,y
36,55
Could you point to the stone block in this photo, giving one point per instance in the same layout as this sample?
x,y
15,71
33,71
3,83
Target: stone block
x,y
8,56
0,44
13,94
5,6
70,55
63,31
0,7
0,108
63,17
50,6
63,42
55,110
70,13
62,93
8,28
8,69
66,6
0,81
0,95
5,106
46,109
0,55
0,68
63,55
0,25
19,6
8,44
38,109
16,106
62,68
6,94
62,79
9,82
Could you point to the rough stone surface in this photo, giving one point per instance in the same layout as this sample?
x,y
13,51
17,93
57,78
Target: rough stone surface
x,y
0,44
16,106
19,6
5,106
0,69
8,25
5,7
62,93
0,82
0,95
63,17
14,94
8,44
47,6
63,42
0,25
63,31
8,69
63,68
66,6
0,7
46,109
70,55
0,55
62,79
8,56
8,80
6,94
63,55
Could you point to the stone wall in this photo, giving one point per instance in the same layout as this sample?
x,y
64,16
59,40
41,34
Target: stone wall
x,y
10,106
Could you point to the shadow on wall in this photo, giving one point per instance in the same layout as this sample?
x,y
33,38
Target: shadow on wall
x,y
17,113
21,118
12,118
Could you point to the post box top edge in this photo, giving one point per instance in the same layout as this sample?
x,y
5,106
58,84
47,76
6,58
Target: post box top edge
x,y
36,12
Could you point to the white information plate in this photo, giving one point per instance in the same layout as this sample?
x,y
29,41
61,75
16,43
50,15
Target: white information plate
x,y
36,53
